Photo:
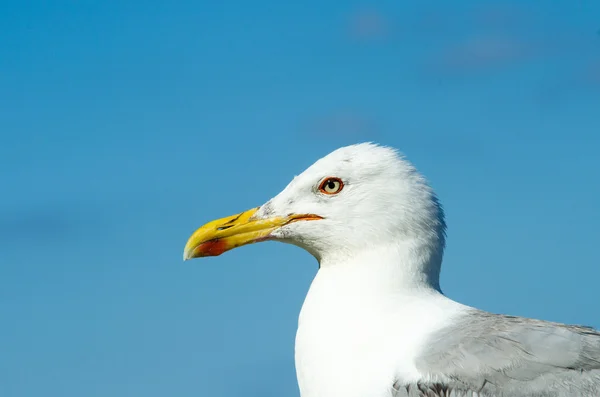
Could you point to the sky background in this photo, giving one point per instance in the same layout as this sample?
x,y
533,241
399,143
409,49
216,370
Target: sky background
x,y
126,125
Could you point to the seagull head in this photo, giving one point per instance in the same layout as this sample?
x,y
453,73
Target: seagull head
x,y
359,197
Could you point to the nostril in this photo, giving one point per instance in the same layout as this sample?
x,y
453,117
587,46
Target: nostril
x,y
223,227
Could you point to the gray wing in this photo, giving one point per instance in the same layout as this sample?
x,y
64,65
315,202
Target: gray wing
x,y
485,354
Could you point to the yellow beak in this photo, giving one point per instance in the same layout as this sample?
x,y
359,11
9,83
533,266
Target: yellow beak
x,y
224,234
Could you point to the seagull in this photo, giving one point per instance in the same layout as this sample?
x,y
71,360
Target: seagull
x,y
375,322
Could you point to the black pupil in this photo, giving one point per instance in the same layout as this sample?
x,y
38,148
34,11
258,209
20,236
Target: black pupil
x,y
331,184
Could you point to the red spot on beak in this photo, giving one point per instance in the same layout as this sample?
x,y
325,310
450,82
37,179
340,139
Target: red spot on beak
x,y
212,248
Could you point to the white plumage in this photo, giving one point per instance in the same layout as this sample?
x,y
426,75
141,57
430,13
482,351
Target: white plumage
x,y
375,322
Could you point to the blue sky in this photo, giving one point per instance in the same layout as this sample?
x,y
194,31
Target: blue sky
x,y
126,125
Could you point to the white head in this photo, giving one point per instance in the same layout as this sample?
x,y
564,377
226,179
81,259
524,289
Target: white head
x,y
358,198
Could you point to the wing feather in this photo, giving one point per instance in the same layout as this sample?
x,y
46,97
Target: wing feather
x,y
496,355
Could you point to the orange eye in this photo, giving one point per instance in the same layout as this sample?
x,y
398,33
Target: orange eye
x,y
331,186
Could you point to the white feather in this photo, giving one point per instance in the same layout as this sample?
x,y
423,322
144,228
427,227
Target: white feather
x,y
374,321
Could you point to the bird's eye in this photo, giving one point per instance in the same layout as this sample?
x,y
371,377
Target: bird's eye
x,y
331,186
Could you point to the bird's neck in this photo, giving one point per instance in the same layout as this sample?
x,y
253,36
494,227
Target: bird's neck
x,y
406,266
365,311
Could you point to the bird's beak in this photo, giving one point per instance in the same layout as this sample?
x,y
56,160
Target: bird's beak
x,y
224,234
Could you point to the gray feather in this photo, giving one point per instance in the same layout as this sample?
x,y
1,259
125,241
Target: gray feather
x,y
485,354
